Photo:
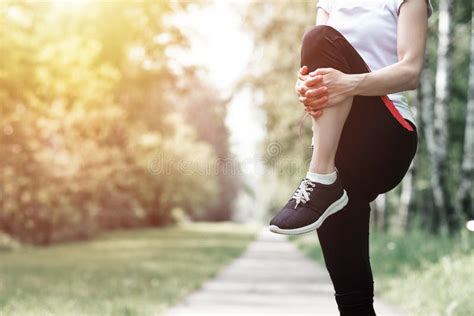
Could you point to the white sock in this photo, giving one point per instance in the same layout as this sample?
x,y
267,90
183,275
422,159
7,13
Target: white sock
x,y
327,178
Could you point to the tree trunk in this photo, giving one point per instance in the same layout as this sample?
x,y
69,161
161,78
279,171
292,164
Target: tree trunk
x,y
379,206
440,119
464,203
427,116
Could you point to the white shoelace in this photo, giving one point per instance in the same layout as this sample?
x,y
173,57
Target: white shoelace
x,y
301,194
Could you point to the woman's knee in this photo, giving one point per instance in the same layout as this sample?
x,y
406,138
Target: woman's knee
x,y
319,50
314,39
316,33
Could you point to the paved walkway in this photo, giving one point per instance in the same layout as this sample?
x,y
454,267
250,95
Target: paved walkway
x,y
272,277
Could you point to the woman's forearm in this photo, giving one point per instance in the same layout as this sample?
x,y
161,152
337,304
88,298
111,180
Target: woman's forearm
x,y
391,79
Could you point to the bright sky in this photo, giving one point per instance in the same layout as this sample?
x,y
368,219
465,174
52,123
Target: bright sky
x,y
220,44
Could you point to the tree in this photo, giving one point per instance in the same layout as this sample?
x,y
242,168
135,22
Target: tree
x,y
88,132
464,194
205,110
439,152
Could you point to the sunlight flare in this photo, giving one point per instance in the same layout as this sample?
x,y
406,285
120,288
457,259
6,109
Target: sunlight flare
x,y
69,4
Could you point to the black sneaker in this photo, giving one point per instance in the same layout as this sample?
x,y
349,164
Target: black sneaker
x,y
311,203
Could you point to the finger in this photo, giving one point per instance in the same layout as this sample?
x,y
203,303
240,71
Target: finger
x,y
318,92
302,77
308,108
303,90
303,73
303,70
313,81
317,103
316,114
320,71
302,99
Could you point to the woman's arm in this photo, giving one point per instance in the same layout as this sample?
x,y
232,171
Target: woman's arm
x,y
401,76
411,43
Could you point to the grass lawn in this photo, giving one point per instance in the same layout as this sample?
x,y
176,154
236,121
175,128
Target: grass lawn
x,y
138,272
420,273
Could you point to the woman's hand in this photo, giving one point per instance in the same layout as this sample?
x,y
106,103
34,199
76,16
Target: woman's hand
x,y
301,88
325,87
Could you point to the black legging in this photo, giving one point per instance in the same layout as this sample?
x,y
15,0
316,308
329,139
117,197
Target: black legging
x,y
375,150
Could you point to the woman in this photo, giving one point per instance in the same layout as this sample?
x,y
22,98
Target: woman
x,y
354,65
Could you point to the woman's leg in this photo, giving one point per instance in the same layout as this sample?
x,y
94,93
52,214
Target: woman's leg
x,y
373,154
317,50
321,193
344,240
327,130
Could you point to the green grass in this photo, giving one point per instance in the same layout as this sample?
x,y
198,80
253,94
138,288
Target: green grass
x,y
420,273
139,272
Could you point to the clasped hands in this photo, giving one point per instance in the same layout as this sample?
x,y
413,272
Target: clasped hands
x,y
321,88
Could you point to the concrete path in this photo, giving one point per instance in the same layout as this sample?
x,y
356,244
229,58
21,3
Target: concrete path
x,y
271,278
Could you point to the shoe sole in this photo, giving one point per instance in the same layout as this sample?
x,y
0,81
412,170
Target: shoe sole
x,y
333,208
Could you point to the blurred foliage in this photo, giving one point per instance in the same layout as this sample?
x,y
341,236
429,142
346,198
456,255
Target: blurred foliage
x,y
278,28
201,112
90,137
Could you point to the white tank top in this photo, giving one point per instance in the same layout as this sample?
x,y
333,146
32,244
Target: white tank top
x,y
371,27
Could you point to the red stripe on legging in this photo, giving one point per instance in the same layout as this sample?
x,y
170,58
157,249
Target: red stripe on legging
x,y
391,107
